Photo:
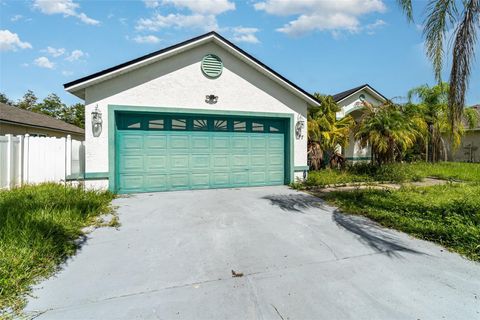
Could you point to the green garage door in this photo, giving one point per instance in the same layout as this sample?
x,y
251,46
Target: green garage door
x,y
166,152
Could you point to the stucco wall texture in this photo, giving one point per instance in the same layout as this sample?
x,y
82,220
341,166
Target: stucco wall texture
x,y
179,82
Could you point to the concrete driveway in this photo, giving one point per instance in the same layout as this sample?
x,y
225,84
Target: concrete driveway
x,y
301,259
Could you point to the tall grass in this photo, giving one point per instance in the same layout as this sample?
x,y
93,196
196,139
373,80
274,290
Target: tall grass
x,y
396,172
38,228
446,214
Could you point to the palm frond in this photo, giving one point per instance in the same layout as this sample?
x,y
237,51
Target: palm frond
x,y
406,6
441,16
463,56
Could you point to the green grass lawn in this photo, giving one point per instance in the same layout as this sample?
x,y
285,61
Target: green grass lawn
x,y
397,172
38,228
447,214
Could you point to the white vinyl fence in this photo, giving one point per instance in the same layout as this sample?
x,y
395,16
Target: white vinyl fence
x,y
25,159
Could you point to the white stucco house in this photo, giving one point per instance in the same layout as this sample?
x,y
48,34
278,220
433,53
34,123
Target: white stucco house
x,y
200,114
351,103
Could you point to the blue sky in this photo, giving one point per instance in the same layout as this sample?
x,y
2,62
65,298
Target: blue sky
x,y
323,46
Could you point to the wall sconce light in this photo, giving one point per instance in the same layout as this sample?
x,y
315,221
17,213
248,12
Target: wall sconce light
x,y
299,126
211,99
96,122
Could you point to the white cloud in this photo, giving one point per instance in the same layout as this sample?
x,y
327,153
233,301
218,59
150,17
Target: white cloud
x,y
54,52
203,7
374,26
66,73
202,15
241,34
321,15
151,3
10,41
16,17
146,39
76,55
158,21
66,7
43,62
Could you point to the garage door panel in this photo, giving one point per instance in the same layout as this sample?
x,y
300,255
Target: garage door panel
x,y
132,142
221,161
220,143
153,163
155,142
200,161
200,143
258,143
132,163
240,160
240,143
156,182
179,162
220,179
179,142
179,180
200,180
152,158
131,182
257,178
240,178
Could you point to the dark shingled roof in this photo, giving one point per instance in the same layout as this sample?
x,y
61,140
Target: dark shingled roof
x,y
23,117
342,95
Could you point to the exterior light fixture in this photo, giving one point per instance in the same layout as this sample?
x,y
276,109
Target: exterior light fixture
x,y
96,122
211,99
299,126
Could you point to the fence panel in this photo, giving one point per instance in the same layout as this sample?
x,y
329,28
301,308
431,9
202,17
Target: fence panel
x,y
25,159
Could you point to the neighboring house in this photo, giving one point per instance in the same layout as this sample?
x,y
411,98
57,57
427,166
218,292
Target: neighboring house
x,y
351,102
18,121
469,148
200,114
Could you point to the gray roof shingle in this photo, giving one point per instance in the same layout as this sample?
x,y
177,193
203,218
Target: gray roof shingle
x,y
21,116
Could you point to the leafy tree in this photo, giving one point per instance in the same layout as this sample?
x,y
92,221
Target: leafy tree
x,y
53,106
464,17
75,115
28,102
387,130
5,99
432,110
325,132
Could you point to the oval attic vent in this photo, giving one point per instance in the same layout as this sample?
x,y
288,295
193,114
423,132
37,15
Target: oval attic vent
x,y
212,66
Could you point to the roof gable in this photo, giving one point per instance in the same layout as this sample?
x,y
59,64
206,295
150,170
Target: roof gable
x,y
345,94
77,87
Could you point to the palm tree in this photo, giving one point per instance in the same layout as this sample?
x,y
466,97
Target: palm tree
x,y
388,130
325,132
432,110
443,15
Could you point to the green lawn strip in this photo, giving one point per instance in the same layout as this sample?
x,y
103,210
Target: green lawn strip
x,y
38,228
393,173
445,214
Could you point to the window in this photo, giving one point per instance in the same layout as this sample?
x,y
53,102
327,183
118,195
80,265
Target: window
x,y
179,124
200,124
275,127
239,126
220,125
257,126
133,122
156,124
